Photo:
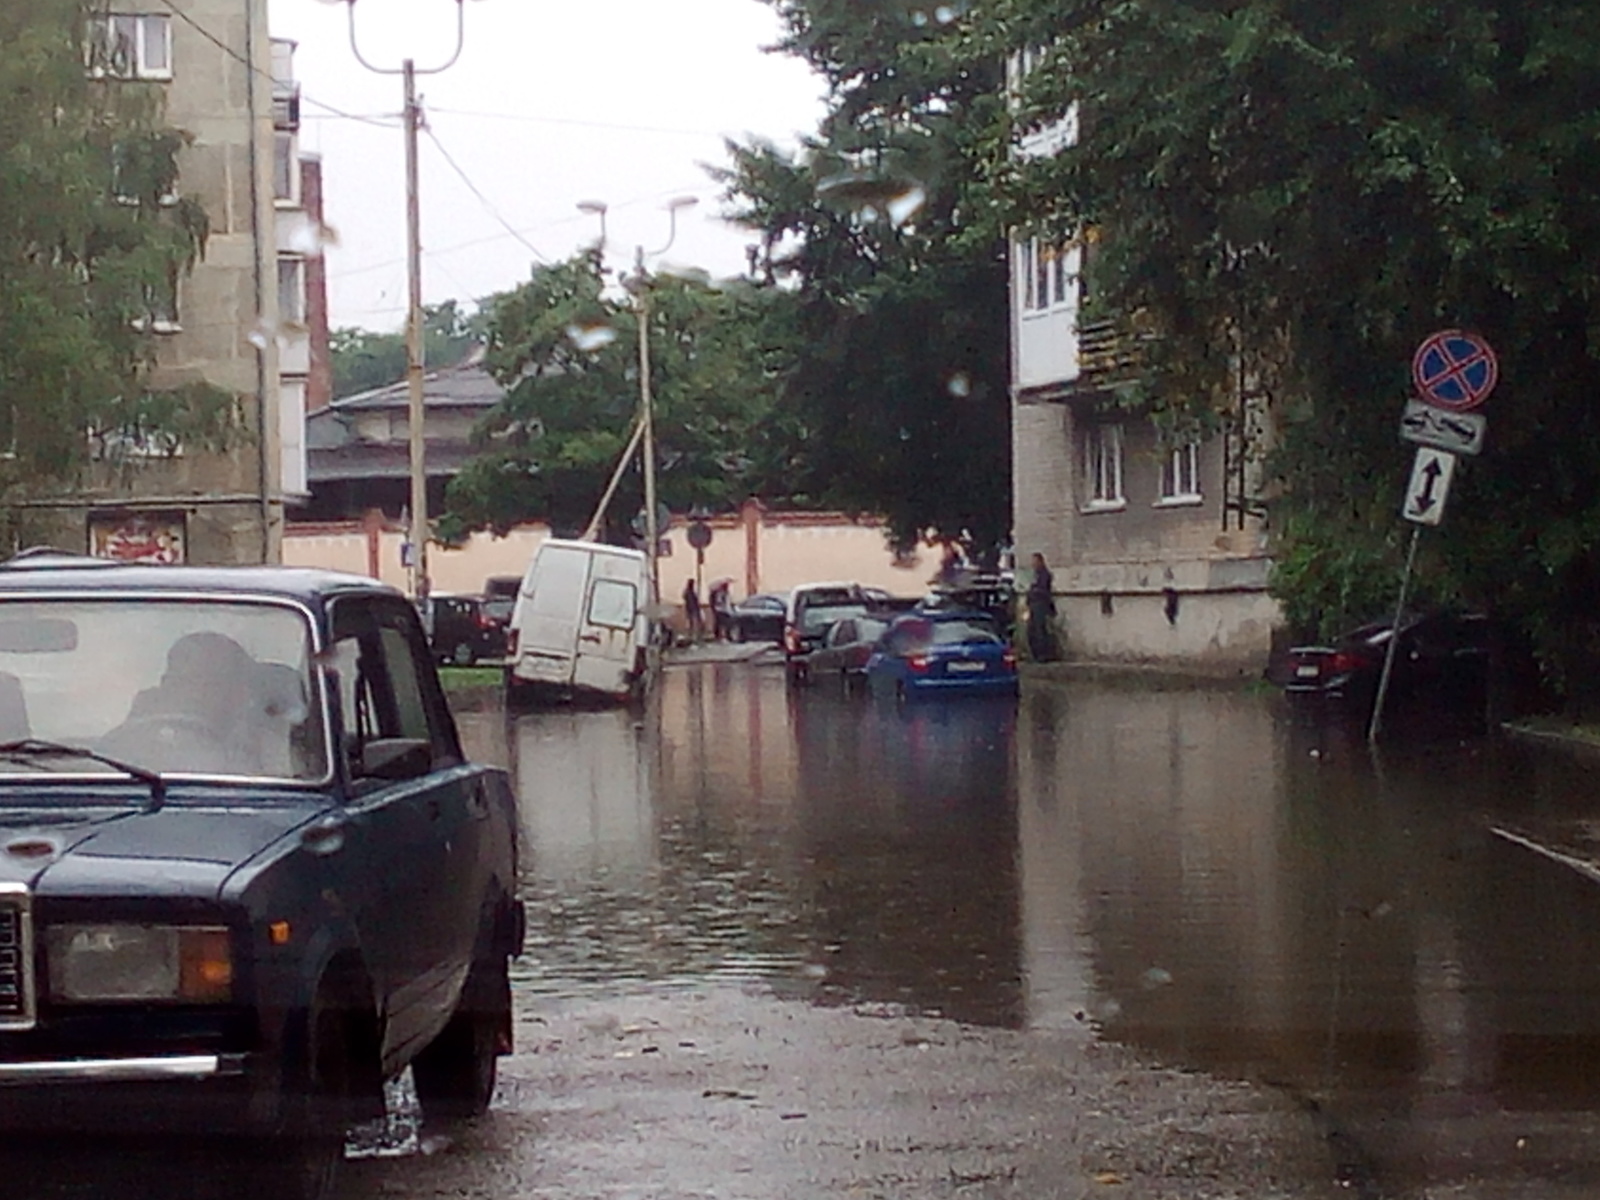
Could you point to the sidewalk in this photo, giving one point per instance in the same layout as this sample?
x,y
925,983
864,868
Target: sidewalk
x,y
715,652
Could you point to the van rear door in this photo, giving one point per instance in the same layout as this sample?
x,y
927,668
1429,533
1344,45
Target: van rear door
x,y
608,635
548,614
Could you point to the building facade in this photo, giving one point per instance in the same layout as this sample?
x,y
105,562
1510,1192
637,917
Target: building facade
x,y
220,81
1156,541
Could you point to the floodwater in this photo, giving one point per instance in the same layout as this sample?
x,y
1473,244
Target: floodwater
x,y
1410,942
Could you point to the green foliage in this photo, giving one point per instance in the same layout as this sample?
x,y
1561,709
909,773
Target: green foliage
x,y
898,399
93,238
1303,191
363,360
567,350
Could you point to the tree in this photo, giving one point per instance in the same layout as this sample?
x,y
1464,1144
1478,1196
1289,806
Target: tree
x,y
898,397
93,237
1303,191
363,360
567,351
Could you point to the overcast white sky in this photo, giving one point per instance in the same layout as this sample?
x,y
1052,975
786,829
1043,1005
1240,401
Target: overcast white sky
x,y
549,104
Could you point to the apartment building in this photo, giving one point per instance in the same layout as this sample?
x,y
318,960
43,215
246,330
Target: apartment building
x,y
219,79
1156,542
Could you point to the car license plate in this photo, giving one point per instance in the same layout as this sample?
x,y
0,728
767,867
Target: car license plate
x,y
1309,671
966,667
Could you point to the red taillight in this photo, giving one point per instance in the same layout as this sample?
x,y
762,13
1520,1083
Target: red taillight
x,y
918,663
512,638
791,639
1009,659
1343,661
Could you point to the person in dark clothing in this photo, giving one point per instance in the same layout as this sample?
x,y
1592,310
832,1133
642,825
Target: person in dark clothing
x,y
1041,612
691,610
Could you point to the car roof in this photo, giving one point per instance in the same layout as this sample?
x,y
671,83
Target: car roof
x,y
52,571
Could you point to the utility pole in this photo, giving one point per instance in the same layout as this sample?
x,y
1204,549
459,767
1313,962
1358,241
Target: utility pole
x,y
416,406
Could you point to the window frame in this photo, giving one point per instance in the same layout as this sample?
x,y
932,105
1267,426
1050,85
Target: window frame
x,y
295,265
1048,281
1179,466
1103,473
106,43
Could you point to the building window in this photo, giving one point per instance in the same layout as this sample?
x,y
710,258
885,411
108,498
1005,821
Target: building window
x,y
1102,466
1180,475
1047,275
130,46
291,290
285,167
160,306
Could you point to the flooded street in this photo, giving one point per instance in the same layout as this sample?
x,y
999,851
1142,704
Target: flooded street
x,y
1189,873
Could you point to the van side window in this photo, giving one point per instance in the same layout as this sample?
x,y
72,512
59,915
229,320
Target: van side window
x,y
612,603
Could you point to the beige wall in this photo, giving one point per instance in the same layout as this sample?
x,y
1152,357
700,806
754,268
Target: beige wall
x,y
788,551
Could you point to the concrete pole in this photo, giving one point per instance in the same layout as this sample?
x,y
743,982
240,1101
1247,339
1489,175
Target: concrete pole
x,y
647,428
416,419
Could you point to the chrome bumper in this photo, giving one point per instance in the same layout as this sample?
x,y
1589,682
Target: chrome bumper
x,y
122,1070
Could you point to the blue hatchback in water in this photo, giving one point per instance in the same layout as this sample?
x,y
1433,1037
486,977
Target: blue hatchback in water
x,y
952,651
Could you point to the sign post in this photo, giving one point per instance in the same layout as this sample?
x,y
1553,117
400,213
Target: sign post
x,y
1453,372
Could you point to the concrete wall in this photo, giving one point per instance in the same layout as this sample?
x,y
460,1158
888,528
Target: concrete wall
x,y
760,554
1114,568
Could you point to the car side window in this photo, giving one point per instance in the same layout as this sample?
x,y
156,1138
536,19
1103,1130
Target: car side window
x,y
395,725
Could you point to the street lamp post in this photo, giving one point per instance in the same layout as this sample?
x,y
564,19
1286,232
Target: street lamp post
x,y
416,408
639,285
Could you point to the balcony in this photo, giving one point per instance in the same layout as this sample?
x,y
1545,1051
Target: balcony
x,y
1109,351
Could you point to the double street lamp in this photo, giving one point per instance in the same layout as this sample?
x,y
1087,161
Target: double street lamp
x,y
416,409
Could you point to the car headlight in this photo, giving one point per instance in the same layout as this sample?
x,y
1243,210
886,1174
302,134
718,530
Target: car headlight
x,y
189,963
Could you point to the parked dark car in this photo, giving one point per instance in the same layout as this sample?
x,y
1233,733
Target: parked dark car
x,y
811,609
757,618
845,648
944,651
994,595
1442,659
247,874
500,597
465,630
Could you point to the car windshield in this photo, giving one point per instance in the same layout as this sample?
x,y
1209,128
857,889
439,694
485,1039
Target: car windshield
x,y
818,617
181,687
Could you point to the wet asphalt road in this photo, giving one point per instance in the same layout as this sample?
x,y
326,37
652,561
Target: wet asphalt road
x,y
1111,940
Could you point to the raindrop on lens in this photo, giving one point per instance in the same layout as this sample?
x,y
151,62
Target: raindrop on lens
x,y
919,18
907,205
944,14
960,385
591,337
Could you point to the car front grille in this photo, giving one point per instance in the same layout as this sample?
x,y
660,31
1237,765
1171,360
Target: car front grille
x,y
16,958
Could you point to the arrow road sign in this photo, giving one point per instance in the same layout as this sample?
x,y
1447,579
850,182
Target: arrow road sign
x,y
1457,432
1429,486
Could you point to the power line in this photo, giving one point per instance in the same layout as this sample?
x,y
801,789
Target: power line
x,y
267,75
482,199
582,124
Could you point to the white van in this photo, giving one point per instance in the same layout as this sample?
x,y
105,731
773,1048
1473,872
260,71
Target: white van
x,y
581,623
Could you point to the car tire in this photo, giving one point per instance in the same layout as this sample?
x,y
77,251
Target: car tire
x,y
463,655
306,1161
455,1073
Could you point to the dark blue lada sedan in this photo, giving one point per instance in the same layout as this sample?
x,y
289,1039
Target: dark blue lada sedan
x,y
247,874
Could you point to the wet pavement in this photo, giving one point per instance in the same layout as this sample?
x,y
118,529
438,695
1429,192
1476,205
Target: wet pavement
x,y
1110,939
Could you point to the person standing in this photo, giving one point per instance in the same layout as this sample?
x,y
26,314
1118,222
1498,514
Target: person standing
x,y
1041,612
691,610
721,609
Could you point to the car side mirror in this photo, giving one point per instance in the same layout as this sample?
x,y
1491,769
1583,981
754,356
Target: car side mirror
x,y
393,759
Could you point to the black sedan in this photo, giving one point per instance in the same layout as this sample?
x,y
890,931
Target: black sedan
x,y
1441,661
248,872
757,618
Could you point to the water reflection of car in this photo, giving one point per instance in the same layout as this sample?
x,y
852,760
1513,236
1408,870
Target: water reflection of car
x,y
812,608
211,782
757,618
845,649
1442,659
943,651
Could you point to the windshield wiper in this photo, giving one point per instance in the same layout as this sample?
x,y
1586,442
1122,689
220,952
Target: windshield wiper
x,y
27,748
